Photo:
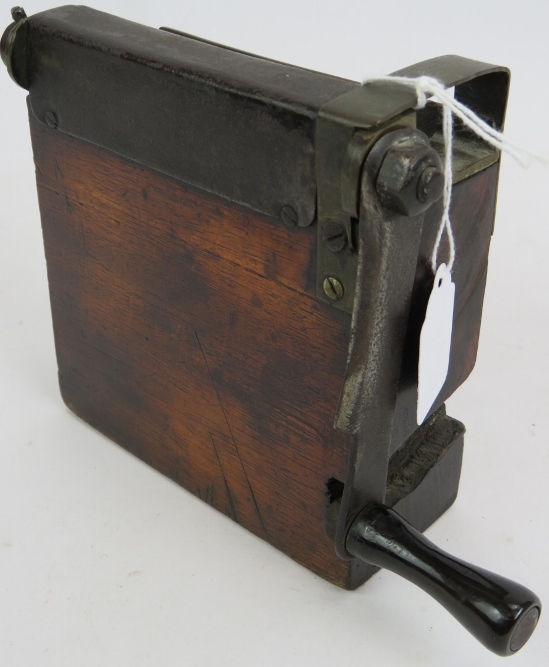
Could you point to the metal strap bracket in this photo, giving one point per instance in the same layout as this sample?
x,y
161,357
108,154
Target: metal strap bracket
x,y
349,126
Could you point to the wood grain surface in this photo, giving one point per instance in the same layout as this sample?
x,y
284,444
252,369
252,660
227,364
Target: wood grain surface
x,y
187,330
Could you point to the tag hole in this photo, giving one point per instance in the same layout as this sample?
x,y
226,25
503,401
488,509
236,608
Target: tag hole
x,y
439,282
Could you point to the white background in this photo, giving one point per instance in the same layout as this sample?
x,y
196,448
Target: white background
x,y
105,562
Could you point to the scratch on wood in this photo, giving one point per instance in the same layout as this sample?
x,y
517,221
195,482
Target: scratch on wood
x,y
96,259
38,169
232,508
231,433
67,202
208,495
253,496
57,192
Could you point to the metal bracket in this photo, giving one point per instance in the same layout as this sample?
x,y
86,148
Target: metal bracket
x,y
372,276
337,232
349,126
238,126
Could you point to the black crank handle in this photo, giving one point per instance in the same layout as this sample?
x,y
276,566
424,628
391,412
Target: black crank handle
x,y
500,613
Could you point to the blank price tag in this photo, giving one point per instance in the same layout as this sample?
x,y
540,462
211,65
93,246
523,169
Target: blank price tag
x,y
435,341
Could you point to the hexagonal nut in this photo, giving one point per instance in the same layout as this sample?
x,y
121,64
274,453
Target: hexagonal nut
x,y
409,164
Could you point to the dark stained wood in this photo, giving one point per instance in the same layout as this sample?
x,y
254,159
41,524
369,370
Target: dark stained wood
x,y
187,330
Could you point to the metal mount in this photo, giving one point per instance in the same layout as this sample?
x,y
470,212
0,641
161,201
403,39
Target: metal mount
x,y
233,124
376,184
349,126
376,162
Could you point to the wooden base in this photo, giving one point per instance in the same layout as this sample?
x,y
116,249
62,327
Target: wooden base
x,y
187,330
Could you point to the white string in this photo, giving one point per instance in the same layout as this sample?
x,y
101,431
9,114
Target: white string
x,y
425,86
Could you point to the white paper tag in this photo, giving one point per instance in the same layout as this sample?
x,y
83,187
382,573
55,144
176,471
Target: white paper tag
x,y
435,342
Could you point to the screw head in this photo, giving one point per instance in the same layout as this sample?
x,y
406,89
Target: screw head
x,y
333,288
51,120
289,216
18,13
335,236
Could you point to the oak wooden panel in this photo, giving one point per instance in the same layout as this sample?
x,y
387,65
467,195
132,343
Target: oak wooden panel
x,y
187,329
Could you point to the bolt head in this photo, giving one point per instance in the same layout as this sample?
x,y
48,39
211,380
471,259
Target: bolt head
x,y
333,288
410,178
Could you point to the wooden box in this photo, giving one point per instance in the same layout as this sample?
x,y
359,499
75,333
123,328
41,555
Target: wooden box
x,y
223,305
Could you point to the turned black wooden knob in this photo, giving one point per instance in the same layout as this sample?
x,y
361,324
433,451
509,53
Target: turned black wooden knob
x,y
500,613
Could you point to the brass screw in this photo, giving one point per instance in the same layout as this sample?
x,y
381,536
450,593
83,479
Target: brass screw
x,y
333,288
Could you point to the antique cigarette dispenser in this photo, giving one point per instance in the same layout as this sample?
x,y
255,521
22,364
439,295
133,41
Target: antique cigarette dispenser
x,y
238,261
